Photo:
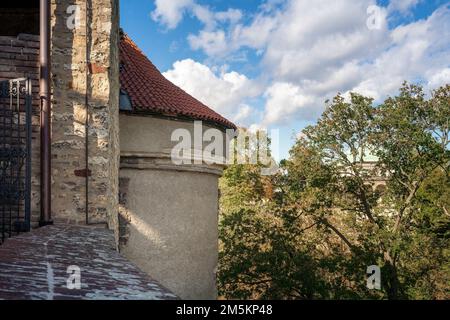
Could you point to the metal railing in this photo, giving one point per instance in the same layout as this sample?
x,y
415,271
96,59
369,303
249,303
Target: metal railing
x,y
15,156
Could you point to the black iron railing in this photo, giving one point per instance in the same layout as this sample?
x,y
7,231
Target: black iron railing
x,y
15,156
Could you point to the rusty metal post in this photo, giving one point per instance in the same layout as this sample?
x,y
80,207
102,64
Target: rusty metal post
x,y
45,96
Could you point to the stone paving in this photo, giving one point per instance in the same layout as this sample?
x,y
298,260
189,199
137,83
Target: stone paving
x,y
34,265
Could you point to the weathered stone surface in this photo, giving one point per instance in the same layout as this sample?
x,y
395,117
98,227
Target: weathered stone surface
x,y
34,265
85,68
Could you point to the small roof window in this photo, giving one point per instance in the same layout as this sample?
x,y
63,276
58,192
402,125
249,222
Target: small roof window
x,y
125,101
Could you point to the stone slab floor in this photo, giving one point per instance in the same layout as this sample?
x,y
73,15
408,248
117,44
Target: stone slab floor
x,y
34,265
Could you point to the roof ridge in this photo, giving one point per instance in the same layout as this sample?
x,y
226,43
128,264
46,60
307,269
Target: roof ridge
x,y
150,91
124,37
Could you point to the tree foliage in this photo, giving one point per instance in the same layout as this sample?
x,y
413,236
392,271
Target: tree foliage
x,y
311,230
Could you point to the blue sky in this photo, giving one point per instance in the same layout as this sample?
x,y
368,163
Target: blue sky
x,y
272,64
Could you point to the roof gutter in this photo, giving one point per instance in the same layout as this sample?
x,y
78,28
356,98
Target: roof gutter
x,y
45,121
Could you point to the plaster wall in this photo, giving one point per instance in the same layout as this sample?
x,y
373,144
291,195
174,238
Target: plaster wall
x,y
168,213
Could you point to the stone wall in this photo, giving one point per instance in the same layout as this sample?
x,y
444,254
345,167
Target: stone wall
x,y
19,57
85,85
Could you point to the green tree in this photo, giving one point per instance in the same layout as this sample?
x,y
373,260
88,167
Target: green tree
x,y
410,141
311,230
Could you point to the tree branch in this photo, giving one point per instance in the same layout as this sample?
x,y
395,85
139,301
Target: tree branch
x,y
445,211
408,201
340,234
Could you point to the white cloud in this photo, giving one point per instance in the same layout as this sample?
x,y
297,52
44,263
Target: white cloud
x,y
315,49
224,92
170,12
403,6
210,19
203,14
224,42
255,35
440,78
244,114
310,50
419,51
284,100
231,15
213,43
316,39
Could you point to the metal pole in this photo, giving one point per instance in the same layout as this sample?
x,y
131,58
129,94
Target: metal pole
x,y
44,83
28,124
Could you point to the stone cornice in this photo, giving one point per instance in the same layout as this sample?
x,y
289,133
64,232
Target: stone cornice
x,y
163,161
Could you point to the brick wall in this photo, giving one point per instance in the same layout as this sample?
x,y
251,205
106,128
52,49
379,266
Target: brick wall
x,y
19,57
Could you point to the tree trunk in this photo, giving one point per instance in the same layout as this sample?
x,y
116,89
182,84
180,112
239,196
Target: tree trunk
x,y
392,282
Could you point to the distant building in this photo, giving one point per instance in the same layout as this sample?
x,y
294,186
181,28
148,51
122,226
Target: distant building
x,y
374,175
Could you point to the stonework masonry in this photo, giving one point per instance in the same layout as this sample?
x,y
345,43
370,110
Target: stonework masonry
x,y
85,74
168,212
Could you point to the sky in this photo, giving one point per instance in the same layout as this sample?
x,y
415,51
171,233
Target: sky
x,y
272,64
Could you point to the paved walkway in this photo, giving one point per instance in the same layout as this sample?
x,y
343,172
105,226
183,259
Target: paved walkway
x,y
34,265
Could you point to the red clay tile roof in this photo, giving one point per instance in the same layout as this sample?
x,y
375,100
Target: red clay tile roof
x,y
149,91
